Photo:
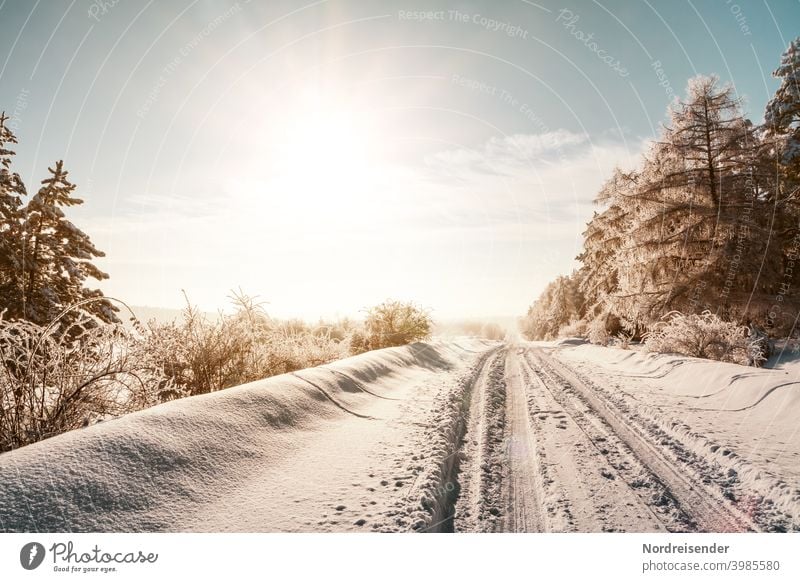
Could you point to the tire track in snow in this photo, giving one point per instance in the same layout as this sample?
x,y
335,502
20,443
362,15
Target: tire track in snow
x,y
708,512
526,488
531,465
585,472
480,502
441,489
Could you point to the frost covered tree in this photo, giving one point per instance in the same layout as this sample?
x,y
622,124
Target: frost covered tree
x,y
11,193
782,116
710,221
560,304
57,257
695,238
44,258
603,240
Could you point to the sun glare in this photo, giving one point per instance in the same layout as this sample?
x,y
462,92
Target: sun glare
x,y
325,159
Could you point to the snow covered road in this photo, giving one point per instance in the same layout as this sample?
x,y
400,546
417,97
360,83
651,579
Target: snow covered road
x,y
466,436
575,454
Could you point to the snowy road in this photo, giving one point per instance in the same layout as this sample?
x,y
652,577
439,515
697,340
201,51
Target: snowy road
x,y
444,437
566,459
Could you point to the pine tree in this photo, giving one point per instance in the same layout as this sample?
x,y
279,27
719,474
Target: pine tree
x,y
57,257
11,193
782,116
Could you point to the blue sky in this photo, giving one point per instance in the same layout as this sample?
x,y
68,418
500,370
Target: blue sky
x,y
327,155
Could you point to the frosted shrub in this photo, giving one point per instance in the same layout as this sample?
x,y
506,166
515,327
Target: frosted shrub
x,y
204,354
358,342
396,323
60,377
492,331
700,336
576,328
54,379
290,352
759,346
596,331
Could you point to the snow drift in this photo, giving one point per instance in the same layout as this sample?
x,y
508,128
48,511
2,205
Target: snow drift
x,y
265,456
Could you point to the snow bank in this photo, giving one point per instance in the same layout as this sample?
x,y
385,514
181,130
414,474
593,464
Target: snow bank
x,y
172,467
768,394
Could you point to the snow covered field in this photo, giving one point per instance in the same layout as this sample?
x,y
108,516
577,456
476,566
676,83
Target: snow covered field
x,y
465,435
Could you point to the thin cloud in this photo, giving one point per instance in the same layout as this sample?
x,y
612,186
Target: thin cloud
x,y
507,155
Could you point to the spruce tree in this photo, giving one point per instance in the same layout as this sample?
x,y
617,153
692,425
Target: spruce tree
x,y
11,193
782,116
57,257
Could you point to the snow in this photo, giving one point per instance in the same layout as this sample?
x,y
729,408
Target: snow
x,y
466,435
283,454
736,421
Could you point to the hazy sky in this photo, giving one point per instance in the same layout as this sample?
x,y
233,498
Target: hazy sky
x,y
328,155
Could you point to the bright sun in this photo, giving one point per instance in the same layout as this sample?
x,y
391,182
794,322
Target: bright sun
x,y
326,158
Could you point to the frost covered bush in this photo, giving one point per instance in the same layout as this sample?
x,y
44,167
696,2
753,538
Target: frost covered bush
x,y
492,331
396,323
576,328
60,377
596,331
700,336
289,352
358,341
203,354
624,339
57,378
759,347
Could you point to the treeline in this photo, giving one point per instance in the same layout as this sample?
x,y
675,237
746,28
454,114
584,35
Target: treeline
x,y
709,223
67,360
